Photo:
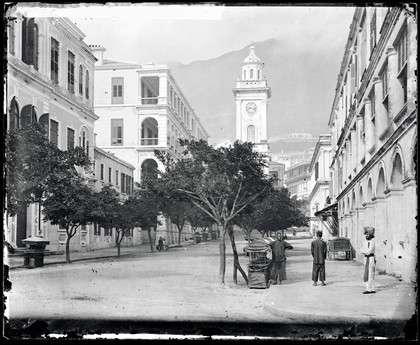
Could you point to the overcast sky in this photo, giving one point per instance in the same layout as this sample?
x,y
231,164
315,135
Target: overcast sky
x,y
160,33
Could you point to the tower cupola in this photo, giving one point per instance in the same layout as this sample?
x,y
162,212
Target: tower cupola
x,y
252,66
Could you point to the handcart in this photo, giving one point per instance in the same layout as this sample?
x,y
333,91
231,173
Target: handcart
x,y
340,247
259,263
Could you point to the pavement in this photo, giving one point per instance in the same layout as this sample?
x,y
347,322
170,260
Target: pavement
x,y
342,299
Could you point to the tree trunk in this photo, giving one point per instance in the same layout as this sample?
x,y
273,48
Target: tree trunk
x,y
69,236
222,251
149,233
68,249
179,236
236,264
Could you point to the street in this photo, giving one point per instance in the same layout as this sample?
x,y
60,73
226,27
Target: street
x,y
181,286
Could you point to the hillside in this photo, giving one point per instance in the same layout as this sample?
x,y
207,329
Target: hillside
x,y
302,78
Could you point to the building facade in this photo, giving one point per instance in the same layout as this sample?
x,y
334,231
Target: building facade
x,y
298,180
319,197
50,81
374,137
142,108
109,170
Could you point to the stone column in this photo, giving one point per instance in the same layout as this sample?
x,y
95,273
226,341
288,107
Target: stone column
x,y
396,230
353,141
360,141
163,89
383,242
395,92
410,225
369,128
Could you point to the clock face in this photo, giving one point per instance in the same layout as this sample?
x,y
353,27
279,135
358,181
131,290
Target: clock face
x,y
251,107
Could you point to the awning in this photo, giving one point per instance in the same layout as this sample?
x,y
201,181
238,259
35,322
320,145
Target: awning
x,y
329,217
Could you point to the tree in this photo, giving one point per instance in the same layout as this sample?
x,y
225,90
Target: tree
x,y
279,211
221,182
70,205
177,211
199,219
34,166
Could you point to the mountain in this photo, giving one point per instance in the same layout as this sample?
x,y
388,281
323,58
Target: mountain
x,y
302,77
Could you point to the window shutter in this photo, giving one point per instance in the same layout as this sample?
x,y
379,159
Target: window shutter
x,y
35,47
24,38
30,42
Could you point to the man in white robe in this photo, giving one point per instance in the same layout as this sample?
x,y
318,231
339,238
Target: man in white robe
x,y
368,250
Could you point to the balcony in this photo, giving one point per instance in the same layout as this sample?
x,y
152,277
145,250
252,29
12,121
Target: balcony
x,y
149,141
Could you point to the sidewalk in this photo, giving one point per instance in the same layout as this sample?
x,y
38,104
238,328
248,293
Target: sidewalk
x,y
102,253
342,298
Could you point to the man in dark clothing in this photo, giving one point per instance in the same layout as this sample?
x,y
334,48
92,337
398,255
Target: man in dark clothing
x,y
319,253
278,262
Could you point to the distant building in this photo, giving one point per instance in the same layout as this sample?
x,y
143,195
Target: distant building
x,y
373,124
142,108
298,180
111,171
319,197
50,81
276,171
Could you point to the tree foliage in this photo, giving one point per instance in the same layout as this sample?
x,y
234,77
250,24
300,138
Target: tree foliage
x,y
70,206
34,166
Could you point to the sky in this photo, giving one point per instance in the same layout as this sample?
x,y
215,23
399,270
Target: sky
x,y
143,33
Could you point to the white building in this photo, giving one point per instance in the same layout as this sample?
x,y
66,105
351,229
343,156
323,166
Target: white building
x,y
319,197
109,170
142,108
49,80
373,124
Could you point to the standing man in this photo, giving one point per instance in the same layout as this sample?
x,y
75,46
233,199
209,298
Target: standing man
x,y
319,253
278,263
368,250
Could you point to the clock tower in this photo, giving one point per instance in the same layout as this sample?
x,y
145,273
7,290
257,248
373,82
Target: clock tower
x,y
251,94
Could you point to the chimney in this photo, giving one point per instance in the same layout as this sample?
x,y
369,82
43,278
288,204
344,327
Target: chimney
x,y
98,51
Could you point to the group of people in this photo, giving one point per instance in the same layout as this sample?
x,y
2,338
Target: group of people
x,y
319,254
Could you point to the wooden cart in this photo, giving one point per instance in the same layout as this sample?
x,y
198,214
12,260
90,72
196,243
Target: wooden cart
x,y
339,246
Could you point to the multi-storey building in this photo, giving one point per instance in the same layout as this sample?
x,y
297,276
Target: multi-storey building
x,y
109,170
374,136
319,197
142,108
298,180
50,81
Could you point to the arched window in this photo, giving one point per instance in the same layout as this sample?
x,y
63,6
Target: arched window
x,y
30,42
380,188
28,115
251,134
14,114
369,190
361,196
251,74
87,84
259,74
150,132
397,172
44,120
149,167
81,79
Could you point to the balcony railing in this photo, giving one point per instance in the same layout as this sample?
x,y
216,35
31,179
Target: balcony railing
x,y
149,100
149,141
